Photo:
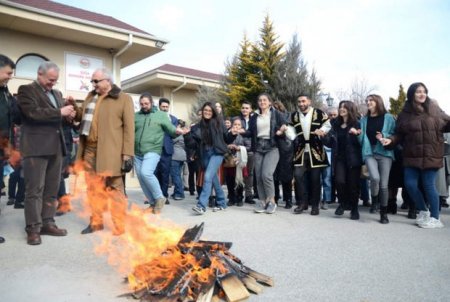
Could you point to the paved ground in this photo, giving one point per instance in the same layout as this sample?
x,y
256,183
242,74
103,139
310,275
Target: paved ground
x,y
311,258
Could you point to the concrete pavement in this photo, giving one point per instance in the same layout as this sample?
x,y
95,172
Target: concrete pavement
x,y
311,258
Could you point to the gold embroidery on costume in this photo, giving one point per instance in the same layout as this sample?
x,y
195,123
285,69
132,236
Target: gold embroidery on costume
x,y
316,155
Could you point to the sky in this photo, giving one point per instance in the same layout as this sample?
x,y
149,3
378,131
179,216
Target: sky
x,y
383,43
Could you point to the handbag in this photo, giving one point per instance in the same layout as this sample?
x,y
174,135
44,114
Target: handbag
x,y
229,161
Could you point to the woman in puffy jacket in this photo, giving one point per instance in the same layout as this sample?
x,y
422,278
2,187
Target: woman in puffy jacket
x,y
420,128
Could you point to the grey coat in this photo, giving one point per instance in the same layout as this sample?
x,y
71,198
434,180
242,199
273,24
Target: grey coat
x,y
179,152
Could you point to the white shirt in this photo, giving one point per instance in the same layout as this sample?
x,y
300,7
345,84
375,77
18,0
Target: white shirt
x,y
305,121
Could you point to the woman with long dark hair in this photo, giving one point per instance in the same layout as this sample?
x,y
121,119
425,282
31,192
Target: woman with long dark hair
x,y
347,159
284,173
420,128
375,125
209,134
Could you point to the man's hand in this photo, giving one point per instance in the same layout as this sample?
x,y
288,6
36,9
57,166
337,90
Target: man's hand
x,y
319,133
67,110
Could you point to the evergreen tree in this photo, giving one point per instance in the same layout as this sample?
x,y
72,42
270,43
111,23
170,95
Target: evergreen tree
x,y
396,105
268,53
291,77
242,80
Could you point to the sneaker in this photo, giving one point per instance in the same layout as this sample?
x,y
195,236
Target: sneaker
x,y
261,208
324,205
159,204
432,223
423,217
11,201
271,208
217,209
198,210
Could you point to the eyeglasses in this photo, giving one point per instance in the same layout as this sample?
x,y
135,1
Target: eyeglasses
x,y
96,81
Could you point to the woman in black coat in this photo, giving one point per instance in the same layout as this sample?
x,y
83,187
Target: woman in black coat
x,y
347,158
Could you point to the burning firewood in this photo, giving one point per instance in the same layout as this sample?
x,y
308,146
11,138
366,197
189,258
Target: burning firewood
x,y
196,270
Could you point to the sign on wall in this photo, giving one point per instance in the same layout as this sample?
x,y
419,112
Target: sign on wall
x,y
79,70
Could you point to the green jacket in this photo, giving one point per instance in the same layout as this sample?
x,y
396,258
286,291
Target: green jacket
x,y
149,131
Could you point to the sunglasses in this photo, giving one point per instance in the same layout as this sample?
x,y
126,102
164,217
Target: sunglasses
x,y
96,81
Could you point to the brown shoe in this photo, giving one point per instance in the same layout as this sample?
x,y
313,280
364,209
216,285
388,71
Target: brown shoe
x,y
33,238
52,230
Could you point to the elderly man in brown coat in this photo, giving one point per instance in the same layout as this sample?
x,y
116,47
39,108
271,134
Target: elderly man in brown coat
x,y
106,142
42,146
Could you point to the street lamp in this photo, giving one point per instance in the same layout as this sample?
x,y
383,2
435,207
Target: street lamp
x,y
329,99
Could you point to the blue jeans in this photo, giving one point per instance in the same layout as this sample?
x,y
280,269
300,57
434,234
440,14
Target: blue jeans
x,y
326,184
163,172
175,173
145,170
428,179
212,163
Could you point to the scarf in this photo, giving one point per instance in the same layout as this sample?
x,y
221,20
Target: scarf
x,y
88,116
241,164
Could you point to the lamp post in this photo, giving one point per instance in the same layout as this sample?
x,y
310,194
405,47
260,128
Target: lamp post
x,y
329,99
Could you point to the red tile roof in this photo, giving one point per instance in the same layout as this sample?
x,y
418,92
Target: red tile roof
x,y
190,72
54,7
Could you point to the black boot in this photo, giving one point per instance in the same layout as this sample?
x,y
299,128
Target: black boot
x,y
412,211
339,210
443,202
374,205
392,206
383,215
288,204
354,214
212,201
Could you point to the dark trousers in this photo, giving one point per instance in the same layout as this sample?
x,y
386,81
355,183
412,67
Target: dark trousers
x,y
347,184
287,190
312,192
192,179
163,172
16,186
235,195
42,175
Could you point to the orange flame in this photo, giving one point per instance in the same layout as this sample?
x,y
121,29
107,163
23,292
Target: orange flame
x,y
146,235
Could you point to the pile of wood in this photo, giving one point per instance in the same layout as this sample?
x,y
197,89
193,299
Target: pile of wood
x,y
196,270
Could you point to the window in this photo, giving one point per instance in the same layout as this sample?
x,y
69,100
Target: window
x,y
27,65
